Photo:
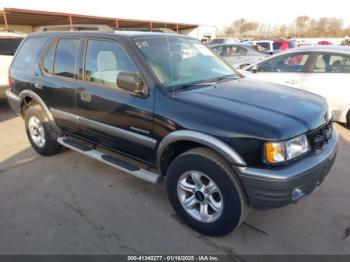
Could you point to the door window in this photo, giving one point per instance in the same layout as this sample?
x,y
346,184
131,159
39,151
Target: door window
x,y
264,45
66,57
105,60
293,63
328,63
8,46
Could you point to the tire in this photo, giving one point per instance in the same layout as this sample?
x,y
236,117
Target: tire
x,y
348,120
230,201
49,145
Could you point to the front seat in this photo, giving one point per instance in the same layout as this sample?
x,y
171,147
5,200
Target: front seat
x,y
107,67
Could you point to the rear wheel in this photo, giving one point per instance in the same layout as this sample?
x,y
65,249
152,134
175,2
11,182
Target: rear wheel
x,y
206,193
40,132
348,120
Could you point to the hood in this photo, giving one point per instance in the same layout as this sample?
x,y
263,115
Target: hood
x,y
281,112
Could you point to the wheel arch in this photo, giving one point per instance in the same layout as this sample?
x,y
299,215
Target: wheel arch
x,y
27,96
188,139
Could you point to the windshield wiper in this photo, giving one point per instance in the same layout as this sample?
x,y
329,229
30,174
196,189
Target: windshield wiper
x,y
226,77
210,82
202,84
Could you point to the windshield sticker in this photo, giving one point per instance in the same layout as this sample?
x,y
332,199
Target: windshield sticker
x,y
142,44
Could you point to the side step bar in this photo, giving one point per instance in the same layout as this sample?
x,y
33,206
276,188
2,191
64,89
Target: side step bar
x,y
110,160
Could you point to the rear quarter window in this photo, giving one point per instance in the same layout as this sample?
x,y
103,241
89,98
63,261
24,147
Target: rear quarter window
x,y
27,51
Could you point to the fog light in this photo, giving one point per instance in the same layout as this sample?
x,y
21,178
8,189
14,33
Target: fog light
x,y
297,193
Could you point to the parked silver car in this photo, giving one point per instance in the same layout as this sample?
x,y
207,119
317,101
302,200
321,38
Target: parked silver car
x,y
238,55
324,70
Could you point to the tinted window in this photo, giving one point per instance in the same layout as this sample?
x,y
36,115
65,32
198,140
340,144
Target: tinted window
x,y
105,60
49,58
289,63
66,56
28,50
9,46
327,63
264,45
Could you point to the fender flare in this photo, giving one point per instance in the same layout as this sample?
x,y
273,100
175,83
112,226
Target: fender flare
x,y
28,93
206,140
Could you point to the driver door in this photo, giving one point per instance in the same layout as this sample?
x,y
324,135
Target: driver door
x,y
109,115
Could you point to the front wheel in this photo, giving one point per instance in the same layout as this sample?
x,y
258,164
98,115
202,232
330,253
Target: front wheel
x,y
206,193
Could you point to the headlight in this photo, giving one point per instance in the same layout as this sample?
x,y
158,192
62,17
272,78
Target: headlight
x,y
279,152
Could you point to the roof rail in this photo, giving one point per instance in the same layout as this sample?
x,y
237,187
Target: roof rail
x,y
147,29
75,27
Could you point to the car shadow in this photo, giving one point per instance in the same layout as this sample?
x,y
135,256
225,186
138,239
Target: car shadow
x,y
6,112
20,159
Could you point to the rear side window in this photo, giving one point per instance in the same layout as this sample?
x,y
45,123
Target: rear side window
x,y
66,57
8,46
27,52
328,63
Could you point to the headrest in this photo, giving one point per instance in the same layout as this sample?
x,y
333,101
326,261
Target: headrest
x,y
106,61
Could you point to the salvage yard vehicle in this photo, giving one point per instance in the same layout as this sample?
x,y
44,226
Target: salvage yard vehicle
x,y
324,70
9,41
265,45
157,105
238,55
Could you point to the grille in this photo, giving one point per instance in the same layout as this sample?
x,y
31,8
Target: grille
x,y
320,137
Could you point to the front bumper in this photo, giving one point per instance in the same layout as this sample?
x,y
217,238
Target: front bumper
x,y
14,101
273,188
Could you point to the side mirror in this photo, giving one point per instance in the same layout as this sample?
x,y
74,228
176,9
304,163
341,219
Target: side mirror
x,y
132,83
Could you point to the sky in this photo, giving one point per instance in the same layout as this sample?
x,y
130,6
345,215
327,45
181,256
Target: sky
x,y
205,12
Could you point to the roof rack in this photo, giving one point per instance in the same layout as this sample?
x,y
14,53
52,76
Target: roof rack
x,y
147,29
76,27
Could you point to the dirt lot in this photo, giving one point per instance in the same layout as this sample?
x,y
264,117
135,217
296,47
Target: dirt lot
x,y
69,204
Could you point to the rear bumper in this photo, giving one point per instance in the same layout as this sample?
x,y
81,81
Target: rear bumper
x,y
273,188
14,101
3,91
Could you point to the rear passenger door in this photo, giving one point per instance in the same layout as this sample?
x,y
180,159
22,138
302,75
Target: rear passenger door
x,y
329,76
58,80
109,115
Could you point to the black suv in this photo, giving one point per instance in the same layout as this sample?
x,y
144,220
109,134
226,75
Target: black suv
x,y
158,105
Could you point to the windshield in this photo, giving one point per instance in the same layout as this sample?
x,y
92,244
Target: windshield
x,y
8,46
184,61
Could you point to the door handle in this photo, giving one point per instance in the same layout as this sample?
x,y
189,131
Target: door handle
x,y
85,96
38,84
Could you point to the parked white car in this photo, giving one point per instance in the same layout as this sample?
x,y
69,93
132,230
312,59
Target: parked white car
x,y
324,70
9,41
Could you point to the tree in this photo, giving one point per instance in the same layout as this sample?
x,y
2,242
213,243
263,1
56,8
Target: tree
x,y
301,23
